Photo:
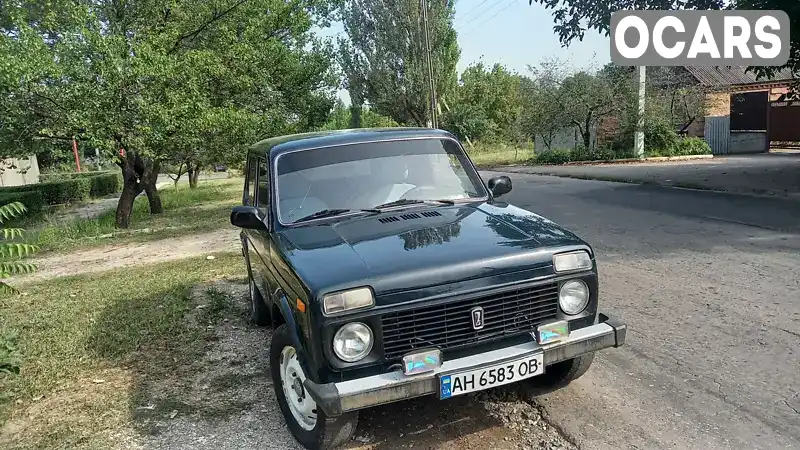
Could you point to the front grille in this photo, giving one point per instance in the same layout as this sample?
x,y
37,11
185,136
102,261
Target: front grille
x,y
449,325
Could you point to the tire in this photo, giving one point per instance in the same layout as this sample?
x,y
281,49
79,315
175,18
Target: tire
x,y
325,432
558,375
258,311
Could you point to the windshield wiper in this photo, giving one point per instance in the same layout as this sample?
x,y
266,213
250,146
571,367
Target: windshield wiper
x,y
331,213
408,201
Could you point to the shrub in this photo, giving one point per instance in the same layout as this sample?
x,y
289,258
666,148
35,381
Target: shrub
x,y
56,192
692,146
101,182
32,200
555,156
105,183
65,191
12,263
11,252
660,137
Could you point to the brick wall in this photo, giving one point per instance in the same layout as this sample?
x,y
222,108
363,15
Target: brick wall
x,y
717,104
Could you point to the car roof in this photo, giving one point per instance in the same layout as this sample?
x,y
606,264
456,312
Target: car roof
x,y
303,141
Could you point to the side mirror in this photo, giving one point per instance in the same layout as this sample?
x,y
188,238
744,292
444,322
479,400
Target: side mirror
x,y
247,217
499,185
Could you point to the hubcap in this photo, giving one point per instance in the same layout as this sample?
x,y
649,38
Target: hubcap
x,y
303,408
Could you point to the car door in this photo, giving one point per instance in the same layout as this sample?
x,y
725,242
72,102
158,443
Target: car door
x,y
258,240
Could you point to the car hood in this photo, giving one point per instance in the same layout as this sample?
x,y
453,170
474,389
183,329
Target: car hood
x,y
417,247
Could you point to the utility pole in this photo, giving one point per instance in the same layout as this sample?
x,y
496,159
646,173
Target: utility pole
x,y
639,140
75,152
433,121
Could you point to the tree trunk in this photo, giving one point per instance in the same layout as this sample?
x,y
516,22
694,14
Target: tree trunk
x,y
194,175
130,189
149,181
355,116
587,134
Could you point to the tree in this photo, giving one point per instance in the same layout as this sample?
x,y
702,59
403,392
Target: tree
x,y
487,104
191,82
574,17
588,98
341,118
384,57
674,95
542,110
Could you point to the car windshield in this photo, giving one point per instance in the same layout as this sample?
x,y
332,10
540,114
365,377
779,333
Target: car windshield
x,y
364,176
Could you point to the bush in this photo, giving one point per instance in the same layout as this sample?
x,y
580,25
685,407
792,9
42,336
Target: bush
x,y
105,183
659,137
555,156
101,182
32,200
56,192
692,146
59,176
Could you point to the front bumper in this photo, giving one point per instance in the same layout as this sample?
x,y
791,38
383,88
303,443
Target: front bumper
x,y
338,398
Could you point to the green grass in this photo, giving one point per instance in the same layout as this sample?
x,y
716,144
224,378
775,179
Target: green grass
x,y
486,156
206,207
93,347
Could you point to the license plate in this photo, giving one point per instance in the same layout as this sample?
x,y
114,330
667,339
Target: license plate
x,y
488,377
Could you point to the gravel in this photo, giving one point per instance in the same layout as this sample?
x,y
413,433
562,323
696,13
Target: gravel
x,y
229,403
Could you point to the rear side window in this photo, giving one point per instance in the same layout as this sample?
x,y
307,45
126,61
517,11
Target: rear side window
x,y
250,188
263,186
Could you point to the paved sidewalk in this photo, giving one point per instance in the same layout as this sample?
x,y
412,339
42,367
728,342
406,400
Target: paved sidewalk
x,y
771,174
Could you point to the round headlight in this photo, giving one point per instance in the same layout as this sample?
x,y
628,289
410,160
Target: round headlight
x,y
573,296
352,342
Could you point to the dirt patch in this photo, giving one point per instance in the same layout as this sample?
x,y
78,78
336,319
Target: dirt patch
x,y
226,400
66,415
122,255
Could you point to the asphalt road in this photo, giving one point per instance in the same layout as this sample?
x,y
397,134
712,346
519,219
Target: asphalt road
x,y
773,174
708,285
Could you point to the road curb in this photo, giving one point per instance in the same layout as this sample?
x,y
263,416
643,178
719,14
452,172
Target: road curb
x,y
687,187
607,162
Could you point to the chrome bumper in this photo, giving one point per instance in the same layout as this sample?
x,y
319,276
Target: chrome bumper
x,y
338,398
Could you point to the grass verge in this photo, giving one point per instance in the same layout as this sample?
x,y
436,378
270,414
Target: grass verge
x,y
93,347
186,211
483,156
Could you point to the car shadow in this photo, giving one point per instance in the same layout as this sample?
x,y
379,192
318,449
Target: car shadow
x,y
427,422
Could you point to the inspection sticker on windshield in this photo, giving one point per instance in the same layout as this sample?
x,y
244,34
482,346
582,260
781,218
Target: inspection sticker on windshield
x,y
489,377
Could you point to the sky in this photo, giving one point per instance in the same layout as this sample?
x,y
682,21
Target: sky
x,y
515,34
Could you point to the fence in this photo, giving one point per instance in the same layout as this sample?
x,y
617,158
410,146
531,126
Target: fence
x,y
717,134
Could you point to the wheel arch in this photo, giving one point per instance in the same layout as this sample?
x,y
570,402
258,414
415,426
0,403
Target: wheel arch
x,y
282,314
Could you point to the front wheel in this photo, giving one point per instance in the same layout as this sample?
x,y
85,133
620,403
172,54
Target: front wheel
x,y
308,424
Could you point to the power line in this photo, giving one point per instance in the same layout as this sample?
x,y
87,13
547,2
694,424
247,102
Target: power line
x,y
481,14
490,18
473,9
